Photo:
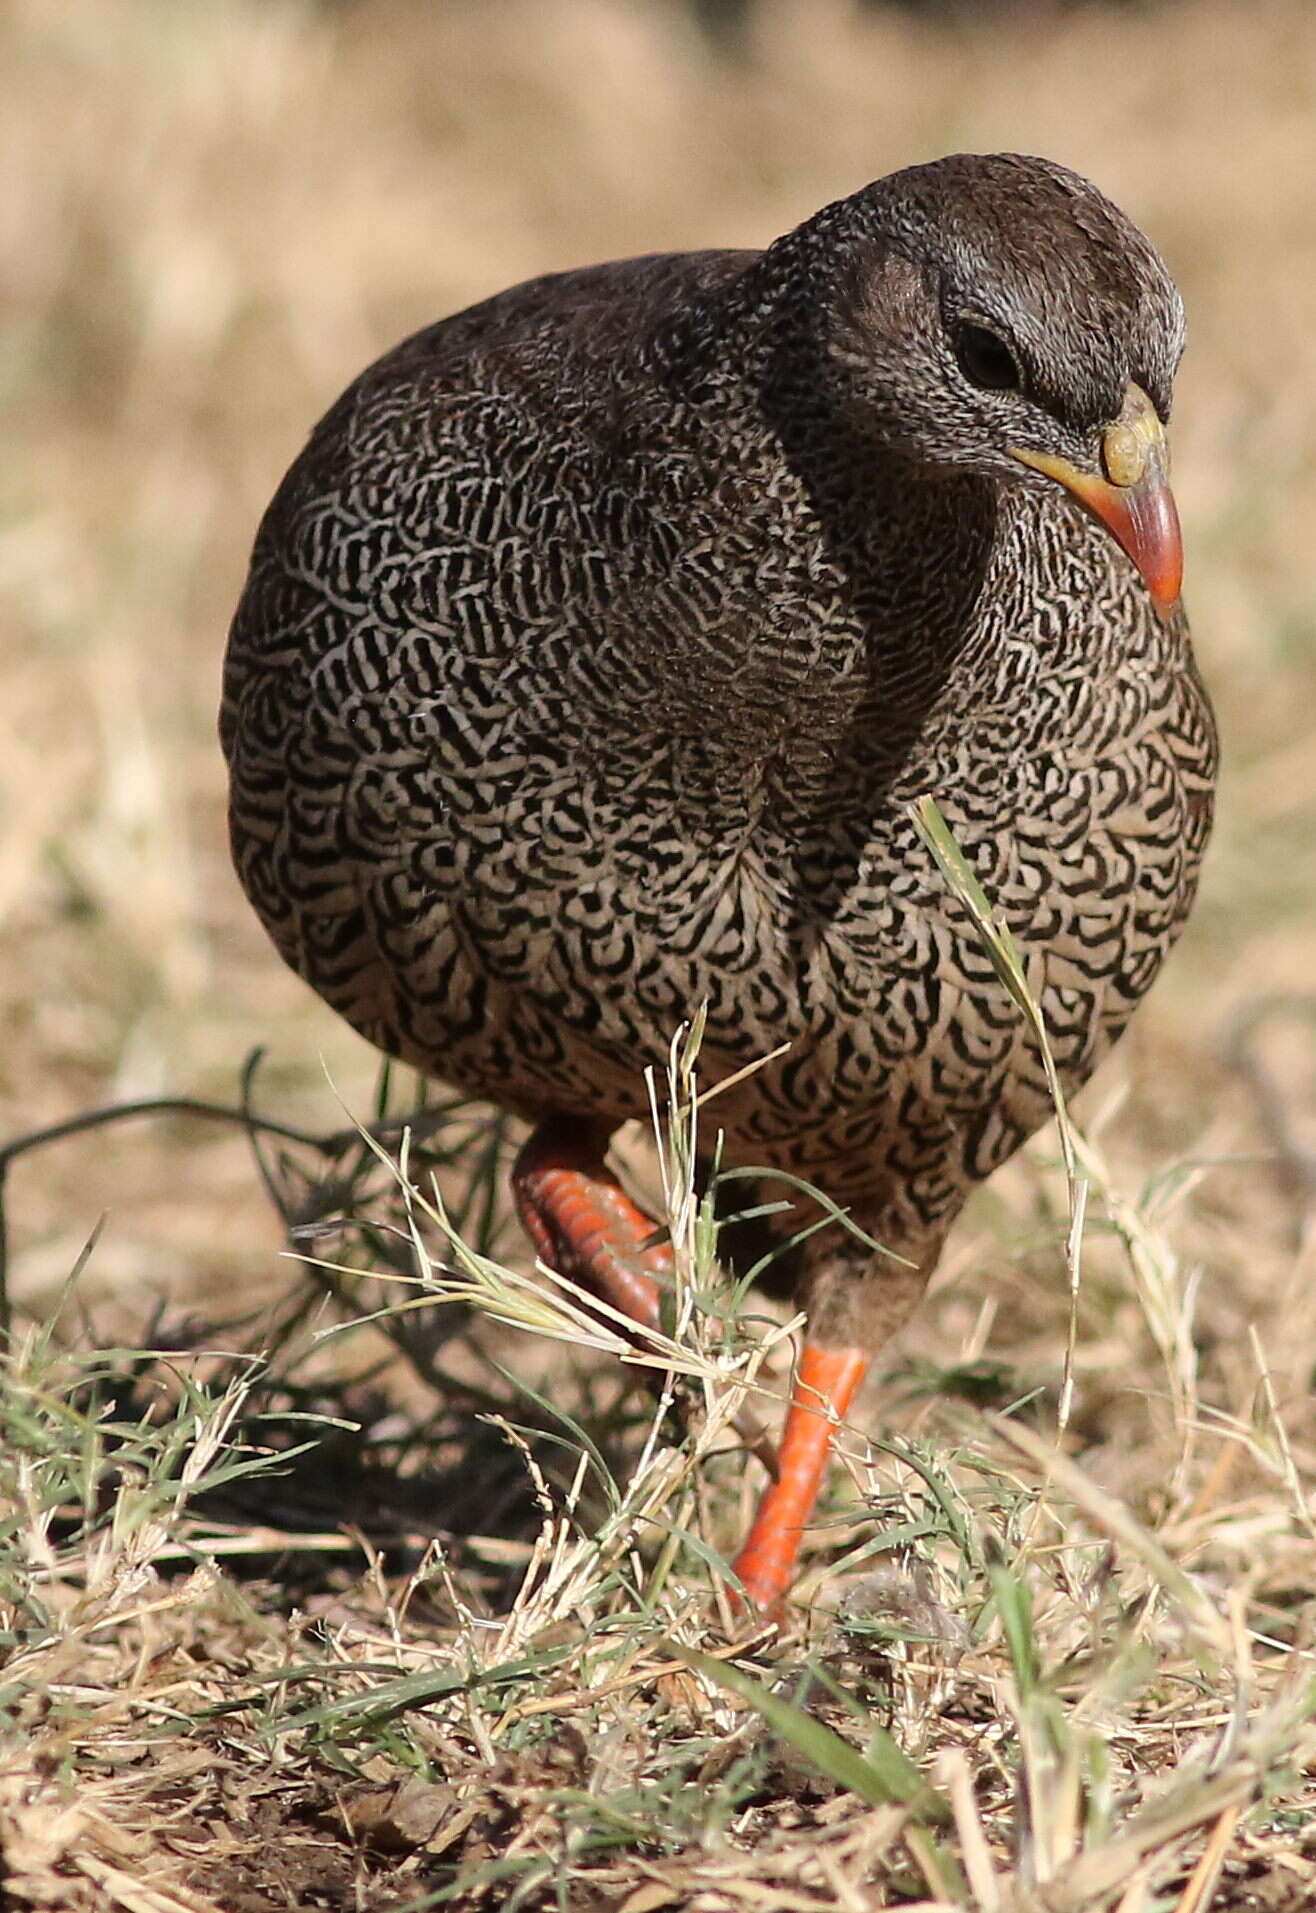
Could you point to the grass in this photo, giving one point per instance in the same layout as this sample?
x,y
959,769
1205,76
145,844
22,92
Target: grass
x,y
1004,1689
338,1567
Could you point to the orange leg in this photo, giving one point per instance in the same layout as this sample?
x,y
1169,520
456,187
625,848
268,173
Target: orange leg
x,y
584,1224
825,1385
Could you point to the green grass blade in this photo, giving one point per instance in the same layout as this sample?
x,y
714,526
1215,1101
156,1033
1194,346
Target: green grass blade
x,y
1015,1606
883,1777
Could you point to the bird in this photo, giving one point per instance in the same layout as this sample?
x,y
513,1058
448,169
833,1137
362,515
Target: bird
x,y
598,645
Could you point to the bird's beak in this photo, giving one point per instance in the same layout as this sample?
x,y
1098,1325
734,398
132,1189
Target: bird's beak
x,y
1133,501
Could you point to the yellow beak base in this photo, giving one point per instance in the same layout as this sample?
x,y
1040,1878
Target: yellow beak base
x,y
1133,501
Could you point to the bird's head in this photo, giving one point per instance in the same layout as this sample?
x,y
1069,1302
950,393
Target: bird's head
x,y
997,314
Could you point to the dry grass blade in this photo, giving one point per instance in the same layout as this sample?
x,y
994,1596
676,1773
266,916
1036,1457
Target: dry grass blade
x,y
1011,967
984,1881
1000,944
1205,1875
1114,1519
1093,1878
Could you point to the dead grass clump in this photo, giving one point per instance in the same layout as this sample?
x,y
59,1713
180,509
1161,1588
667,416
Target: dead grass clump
x,y
997,1687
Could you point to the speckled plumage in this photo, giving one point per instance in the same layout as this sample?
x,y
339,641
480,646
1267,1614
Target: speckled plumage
x,y
598,641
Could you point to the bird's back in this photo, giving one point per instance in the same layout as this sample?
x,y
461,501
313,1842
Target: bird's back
x,y
432,696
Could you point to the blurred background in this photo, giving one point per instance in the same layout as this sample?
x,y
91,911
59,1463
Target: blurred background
x,y
213,215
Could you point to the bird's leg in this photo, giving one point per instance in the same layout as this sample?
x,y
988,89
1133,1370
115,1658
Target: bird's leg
x,y
825,1385
583,1223
853,1302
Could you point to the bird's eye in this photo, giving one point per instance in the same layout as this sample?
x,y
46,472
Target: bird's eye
x,y
986,360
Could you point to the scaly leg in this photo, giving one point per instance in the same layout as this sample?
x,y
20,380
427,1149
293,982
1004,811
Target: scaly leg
x,y
825,1385
583,1224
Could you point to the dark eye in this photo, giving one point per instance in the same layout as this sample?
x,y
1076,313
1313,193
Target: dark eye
x,y
986,360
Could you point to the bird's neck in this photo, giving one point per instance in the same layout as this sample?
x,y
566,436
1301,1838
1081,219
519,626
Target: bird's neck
x,y
864,571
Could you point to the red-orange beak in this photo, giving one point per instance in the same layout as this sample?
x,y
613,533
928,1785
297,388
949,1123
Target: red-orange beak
x,y
1133,501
